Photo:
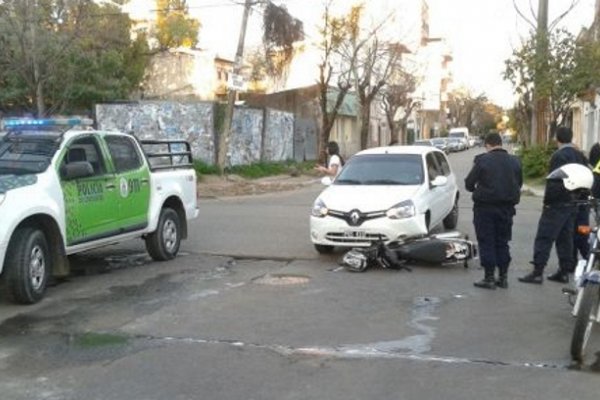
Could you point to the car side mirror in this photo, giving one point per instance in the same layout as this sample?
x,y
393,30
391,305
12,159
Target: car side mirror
x,y
76,169
439,180
326,180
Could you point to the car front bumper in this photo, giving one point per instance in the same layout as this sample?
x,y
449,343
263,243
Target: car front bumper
x,y
333,231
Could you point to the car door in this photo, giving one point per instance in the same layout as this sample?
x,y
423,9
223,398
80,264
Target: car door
x,y
133,181
449,189
89,201
435,194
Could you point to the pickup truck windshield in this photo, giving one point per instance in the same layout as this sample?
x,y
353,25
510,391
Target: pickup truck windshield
x,y
28,151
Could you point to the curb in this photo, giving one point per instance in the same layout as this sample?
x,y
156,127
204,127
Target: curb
x,y
532,191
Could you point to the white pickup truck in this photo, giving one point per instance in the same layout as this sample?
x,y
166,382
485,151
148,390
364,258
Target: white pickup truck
x,y
66,190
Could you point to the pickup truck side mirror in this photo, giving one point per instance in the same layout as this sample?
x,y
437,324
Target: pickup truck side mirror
x,y
76,169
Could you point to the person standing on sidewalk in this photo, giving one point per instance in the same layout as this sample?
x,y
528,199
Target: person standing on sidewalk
x,y
495,180
557,222
336,162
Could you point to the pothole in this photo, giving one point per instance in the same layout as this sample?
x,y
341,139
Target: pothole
x,y
282,280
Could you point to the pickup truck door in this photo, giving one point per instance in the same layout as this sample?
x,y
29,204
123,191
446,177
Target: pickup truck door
x,y
90,200
133,181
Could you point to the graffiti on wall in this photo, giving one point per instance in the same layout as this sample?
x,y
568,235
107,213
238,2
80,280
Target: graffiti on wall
x,y
252,137
164,120
278,141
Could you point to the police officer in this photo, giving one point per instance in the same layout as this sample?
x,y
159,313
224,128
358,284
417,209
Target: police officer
x,y
495,180
557,222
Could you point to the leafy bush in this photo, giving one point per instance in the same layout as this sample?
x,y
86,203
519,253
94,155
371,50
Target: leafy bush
x,y
257,170
535,160
205,169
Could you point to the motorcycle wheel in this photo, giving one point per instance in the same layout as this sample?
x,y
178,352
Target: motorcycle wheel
x,y
584,321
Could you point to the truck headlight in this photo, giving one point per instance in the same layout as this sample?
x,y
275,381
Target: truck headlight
x,y
405,209
319,209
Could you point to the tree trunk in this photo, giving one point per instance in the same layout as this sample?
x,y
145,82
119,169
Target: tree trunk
x,y
365,114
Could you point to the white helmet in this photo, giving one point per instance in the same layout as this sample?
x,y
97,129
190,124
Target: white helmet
x,y
355,261
574,176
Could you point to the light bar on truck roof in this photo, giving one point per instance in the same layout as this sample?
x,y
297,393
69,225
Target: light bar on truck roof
x,y
29,122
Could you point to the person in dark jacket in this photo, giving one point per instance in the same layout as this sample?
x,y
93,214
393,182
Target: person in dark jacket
x,y
495,180
557,222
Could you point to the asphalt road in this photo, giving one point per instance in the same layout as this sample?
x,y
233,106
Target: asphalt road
x,y
250,311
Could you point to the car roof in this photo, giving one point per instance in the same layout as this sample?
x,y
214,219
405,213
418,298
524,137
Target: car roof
x,y
398,150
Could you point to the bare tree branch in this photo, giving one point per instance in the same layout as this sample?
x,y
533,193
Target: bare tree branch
x,y
532,24
561,16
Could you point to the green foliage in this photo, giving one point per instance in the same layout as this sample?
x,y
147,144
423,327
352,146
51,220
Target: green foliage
x,y
63,57
174,26
258,170
203,168
558,66
535,160
280,32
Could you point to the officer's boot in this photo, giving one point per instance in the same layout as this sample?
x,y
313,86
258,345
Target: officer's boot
x,y
535,277
502,281
488,281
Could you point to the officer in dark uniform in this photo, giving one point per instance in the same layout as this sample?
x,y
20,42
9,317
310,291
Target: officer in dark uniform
x,y
495,180
557,222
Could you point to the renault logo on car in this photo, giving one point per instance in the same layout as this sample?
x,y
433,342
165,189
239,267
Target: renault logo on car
x,y
354,217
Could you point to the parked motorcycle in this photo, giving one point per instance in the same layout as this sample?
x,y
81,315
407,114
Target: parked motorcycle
x,y
443,248
585,294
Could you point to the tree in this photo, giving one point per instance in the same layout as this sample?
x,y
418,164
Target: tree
x,y
280,32
464,108
61,56
333,32
174,26
570,69
397,97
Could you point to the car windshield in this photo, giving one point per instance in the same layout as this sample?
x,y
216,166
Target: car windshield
x,y
438,141
456,135
422,143
382,169
28,151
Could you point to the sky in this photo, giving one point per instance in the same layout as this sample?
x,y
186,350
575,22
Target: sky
x,y
480,33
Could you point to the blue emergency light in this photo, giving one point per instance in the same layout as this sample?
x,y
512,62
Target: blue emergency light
x,y
29,122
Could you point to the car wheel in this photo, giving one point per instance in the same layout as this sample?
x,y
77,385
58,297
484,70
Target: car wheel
x,y
163,244
451,219
324,249
27,266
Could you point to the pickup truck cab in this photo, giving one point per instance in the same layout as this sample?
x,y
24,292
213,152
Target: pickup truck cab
x,y
66,190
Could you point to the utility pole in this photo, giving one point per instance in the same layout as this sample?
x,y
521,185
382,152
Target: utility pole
x,y
237,66
539,126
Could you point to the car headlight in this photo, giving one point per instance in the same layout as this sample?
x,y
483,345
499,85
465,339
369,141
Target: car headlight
x,y
319,209
405,209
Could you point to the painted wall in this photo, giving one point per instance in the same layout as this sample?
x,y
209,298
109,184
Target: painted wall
x,y
278,141
256,135
164,120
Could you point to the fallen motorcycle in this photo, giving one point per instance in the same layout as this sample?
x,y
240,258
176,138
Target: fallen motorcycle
x,y
443,248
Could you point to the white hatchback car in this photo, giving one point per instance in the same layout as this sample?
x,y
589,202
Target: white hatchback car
x,y
391,193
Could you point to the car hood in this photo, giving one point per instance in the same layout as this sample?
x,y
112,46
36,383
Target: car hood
x,y
366,198
10,182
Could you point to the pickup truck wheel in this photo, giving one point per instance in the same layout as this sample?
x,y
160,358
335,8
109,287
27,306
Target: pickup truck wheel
x,y
27,267
163,244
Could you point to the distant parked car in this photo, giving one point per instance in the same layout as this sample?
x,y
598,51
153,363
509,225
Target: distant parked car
x,y
441,144
423,142
455,144
387,193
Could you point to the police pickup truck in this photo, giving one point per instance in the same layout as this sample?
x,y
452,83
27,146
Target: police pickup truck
x,y
65,190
